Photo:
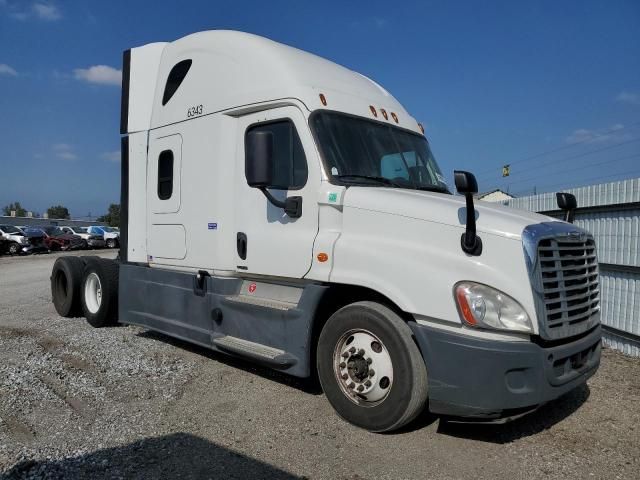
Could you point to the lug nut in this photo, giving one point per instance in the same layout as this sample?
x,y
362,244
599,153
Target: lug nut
x,y
342,364
367,384
360,388
352,385
345,354
361,352
345,376
369,361
371,372
352,349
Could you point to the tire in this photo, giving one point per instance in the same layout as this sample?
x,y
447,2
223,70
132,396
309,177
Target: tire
x,y
14,248
99,292
111,243
383,405
66,278
84,245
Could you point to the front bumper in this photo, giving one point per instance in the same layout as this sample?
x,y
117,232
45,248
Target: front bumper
x,y
96,243
490,379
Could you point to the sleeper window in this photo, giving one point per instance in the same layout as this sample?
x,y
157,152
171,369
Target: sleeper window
x,y
165,175
175,78
290,163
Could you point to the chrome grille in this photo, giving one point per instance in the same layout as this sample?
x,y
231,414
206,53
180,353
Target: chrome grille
x,y
568,300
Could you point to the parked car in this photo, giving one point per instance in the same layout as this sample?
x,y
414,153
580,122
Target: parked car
x,y
15,237
111,235
56,239
36,239
94,240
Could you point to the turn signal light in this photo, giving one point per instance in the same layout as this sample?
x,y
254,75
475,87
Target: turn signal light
x,y
323,99
323,257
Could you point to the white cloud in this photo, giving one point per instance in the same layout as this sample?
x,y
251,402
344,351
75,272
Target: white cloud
x,y
100,74
584,135
629,97
64,151
111,156
46,11
7,70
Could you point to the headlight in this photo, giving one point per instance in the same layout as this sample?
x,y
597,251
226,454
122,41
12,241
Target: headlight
x,y
485,307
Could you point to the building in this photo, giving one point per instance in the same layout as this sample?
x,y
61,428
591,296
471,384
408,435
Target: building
x,y
496,195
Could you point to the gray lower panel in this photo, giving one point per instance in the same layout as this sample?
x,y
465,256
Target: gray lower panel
x,y
166,301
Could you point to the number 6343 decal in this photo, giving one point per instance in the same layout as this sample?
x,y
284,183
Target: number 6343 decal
x,y
194,111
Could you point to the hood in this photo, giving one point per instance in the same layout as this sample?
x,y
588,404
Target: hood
x,y
442,208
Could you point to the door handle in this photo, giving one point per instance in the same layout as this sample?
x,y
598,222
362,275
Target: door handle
x,y
241,245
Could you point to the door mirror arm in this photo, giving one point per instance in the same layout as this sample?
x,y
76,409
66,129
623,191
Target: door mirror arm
x,y
292,205
466,184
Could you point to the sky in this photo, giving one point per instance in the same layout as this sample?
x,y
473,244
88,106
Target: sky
x,y
550,88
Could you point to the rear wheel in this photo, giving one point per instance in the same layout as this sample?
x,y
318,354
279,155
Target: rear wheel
x,y
370,369
99,296
66,278
111,243
14,248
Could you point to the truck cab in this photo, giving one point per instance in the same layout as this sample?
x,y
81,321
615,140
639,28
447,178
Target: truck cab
x,y
283,208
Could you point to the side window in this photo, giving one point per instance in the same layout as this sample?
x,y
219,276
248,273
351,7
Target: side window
x,y
290,163
175,78
165,175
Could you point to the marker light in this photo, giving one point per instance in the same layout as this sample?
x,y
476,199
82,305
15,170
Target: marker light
x,y
421,128
322,257
384,113
373,110
395,117
323,99
485,307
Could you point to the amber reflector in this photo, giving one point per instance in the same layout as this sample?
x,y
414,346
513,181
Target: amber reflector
x,y
323,99
395,117
384,113
323,257
373,110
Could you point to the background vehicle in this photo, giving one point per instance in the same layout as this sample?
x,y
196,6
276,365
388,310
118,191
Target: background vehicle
x,y
110,235
36,239
93,240
56,239
290,211
16,238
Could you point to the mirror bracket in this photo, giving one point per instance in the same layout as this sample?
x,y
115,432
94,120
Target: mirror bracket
x,y
292,205
466,184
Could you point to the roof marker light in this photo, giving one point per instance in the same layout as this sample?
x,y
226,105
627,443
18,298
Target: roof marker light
x,y
384,113
395,117
373,110
323,99
421,128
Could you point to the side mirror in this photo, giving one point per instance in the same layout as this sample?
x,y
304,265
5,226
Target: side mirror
x,y
259,166
259,158
466,184
567,202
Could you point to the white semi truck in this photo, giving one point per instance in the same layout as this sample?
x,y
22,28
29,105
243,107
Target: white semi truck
x,y
282,208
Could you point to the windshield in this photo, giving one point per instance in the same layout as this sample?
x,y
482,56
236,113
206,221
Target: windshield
x,y
361,151
10,229
108,229
81,229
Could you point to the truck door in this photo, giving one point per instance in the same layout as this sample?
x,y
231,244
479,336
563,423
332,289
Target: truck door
x,y
166,238
268,242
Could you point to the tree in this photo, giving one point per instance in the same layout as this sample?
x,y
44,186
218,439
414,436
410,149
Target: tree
x,y
20,212
58,211
112,218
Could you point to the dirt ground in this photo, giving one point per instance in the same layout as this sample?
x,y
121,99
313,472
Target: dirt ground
x,y
122,402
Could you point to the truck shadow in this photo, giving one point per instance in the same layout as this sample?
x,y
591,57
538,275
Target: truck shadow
x,y
307,385
542,419
179,455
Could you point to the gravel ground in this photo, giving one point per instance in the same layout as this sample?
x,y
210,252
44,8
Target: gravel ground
x,y
122,402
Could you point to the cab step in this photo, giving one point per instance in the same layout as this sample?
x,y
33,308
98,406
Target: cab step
x,y
260,302
274,357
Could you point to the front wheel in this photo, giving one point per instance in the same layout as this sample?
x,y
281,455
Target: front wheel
x,y
370,369
111,243
14,248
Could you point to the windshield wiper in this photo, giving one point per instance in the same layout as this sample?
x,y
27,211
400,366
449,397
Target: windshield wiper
x,y
382,180
433,188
